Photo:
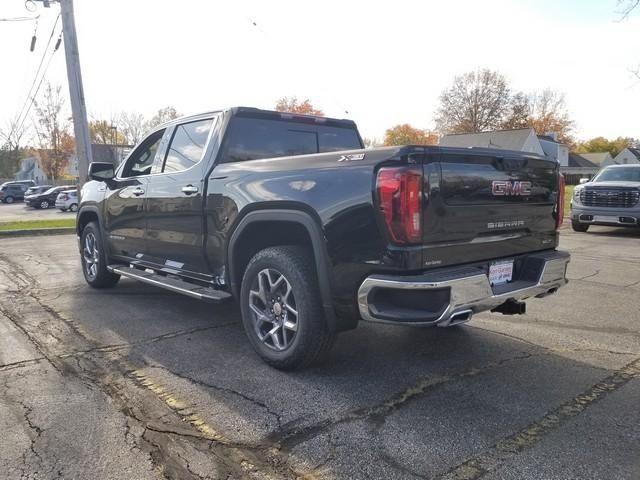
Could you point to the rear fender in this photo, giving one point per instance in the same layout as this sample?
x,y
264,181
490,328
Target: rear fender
x,y
318,243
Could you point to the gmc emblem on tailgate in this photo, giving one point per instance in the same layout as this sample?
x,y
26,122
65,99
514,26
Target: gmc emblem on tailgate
x,y
500,188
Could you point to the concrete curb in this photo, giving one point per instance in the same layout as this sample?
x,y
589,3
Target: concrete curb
x,y
36,231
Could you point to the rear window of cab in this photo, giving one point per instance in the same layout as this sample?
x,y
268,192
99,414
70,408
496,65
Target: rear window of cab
x,y
255,138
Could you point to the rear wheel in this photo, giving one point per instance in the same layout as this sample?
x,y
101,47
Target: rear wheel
x,y
579,227
44,204
282,312
94,260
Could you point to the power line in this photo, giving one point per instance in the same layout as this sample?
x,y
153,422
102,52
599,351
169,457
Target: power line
x,y
19,19
31,94
33,98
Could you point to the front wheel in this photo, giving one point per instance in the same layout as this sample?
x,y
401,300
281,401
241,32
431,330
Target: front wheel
x,y
94,260
44,204
63,209
579,227
281,307
73,207
8,200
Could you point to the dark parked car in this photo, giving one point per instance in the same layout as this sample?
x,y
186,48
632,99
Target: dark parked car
x,y
12,191
36,190
47,198
311,233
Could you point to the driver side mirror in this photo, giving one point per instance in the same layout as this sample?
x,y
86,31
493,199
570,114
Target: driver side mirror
x,y
101,171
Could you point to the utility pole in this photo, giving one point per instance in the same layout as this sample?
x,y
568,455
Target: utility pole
x,y
76,92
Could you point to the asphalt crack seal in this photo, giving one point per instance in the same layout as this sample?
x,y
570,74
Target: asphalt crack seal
x,y
295,434
144,402
478,466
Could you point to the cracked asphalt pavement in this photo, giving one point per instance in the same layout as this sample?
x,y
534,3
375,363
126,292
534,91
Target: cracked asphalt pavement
x,y
139,383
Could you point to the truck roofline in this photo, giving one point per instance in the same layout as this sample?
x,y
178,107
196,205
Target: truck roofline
x,y
252,111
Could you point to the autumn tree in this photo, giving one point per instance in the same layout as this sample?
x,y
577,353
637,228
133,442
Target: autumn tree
x,y
56,143
163,115
518,113
293,105
476,101
602,144
405,134
105,131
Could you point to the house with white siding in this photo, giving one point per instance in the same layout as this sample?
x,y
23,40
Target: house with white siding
x,y
628,155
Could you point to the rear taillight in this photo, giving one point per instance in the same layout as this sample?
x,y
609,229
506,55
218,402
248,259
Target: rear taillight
x,y
560,202
400,200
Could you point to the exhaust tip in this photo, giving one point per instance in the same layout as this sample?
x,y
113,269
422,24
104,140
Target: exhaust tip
x,y
457,318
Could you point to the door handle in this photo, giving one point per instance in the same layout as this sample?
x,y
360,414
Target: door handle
x,y
189,189
138,191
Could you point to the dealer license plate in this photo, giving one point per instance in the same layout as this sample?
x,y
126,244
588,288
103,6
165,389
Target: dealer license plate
x,y
500,272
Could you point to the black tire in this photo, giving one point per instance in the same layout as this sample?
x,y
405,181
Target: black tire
x,y
63,209
579,227
94,260
44,204
8,200
311,340
73,207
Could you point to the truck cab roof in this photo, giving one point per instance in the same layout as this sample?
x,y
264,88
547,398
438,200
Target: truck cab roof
x,y
260,113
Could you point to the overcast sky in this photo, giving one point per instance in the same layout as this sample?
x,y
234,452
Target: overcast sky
x,y
383,62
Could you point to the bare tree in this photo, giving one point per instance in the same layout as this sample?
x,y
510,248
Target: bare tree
x,y
132,126
12,135
475,102
56,143
626,7
549,114
371,142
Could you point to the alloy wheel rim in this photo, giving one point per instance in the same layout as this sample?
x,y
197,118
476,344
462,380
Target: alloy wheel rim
x,y
273,309
90,254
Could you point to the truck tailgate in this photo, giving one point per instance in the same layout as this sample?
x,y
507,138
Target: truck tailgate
x,y
487,205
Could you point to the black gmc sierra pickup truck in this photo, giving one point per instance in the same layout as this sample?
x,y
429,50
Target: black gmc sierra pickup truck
x,y
309,232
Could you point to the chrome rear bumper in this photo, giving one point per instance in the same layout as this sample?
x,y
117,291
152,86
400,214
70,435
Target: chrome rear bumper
x,y
467,289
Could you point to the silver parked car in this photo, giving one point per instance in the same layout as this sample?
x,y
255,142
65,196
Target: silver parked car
x,y
611,198
67,200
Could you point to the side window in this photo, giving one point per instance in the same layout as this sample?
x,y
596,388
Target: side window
x,y
187,145
140,161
